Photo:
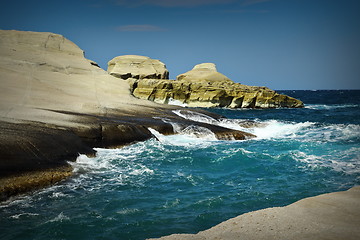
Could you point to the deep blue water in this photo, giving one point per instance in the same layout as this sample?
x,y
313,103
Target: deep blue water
x,y
191,181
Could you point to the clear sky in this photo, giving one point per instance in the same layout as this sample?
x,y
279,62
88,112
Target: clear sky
x,y
281,44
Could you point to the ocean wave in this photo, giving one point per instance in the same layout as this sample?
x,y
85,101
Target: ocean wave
x,y
21,215
171,203
112,166
195,116
329,107
191,136
262,129
333,133
60,218
346,161
128,211
276,129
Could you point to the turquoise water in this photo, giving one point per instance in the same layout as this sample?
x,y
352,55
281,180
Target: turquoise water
x,y
190,182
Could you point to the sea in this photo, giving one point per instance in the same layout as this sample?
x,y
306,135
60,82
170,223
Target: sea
x,y
191,181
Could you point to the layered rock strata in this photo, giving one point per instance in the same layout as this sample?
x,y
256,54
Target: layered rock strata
x,y
203,86
56,104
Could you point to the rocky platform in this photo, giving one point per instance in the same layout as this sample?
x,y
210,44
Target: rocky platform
x,y
56,104
330,216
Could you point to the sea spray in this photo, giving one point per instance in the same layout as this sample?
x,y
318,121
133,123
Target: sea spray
x,y
190,182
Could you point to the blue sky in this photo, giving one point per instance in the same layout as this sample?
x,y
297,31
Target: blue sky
x,y
281,44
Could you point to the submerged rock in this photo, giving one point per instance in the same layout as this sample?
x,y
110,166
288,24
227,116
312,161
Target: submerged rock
x,y
204,86
138,67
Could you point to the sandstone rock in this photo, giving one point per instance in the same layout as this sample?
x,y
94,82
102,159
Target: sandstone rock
x,y
55,104
203,93
203,86
329,216
203,72
138,67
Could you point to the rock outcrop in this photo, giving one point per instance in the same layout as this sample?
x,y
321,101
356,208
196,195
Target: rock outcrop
x,y
56,104
329,216
203,86
204,72
138,67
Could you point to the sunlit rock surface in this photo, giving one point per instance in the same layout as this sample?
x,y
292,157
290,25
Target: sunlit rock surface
x,y
203,86
56,104
138,67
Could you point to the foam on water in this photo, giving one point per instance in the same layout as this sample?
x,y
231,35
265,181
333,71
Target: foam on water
x,y
330,107
188,136
23,215
114,166
278,129
60,218
195,116
347,162
176,103
262,129
190,181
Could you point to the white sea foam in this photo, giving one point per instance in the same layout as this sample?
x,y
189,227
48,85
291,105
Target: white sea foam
x,y
191,136
84,164
176,103
173,203
60,218
262,129
58,195
128,211
113,166
195,116
333,133
277,129
17,216
329,107
345,161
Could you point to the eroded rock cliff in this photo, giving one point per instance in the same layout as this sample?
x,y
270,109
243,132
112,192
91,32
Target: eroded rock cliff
x,y
56,104
204,86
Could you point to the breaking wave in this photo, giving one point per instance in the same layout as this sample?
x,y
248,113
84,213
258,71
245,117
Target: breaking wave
x,y
191,181
330,107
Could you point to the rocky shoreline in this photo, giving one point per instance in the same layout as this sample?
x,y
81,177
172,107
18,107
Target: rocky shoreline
x,y
56,104
329,216
203,86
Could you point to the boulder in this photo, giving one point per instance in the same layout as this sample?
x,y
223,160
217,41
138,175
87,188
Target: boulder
x,y
203,86
138,67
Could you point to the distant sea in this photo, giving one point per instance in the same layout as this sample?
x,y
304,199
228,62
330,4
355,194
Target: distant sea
x,y
190,182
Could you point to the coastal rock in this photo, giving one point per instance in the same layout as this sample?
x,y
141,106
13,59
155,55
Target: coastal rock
x,y
329,216
204,72
138,67
205,87
55,104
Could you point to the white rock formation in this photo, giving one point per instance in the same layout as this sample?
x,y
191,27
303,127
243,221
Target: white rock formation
x,y
203,72
138,67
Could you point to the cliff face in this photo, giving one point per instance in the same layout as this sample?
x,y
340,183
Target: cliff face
x,y
56,104
210,94
205,87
